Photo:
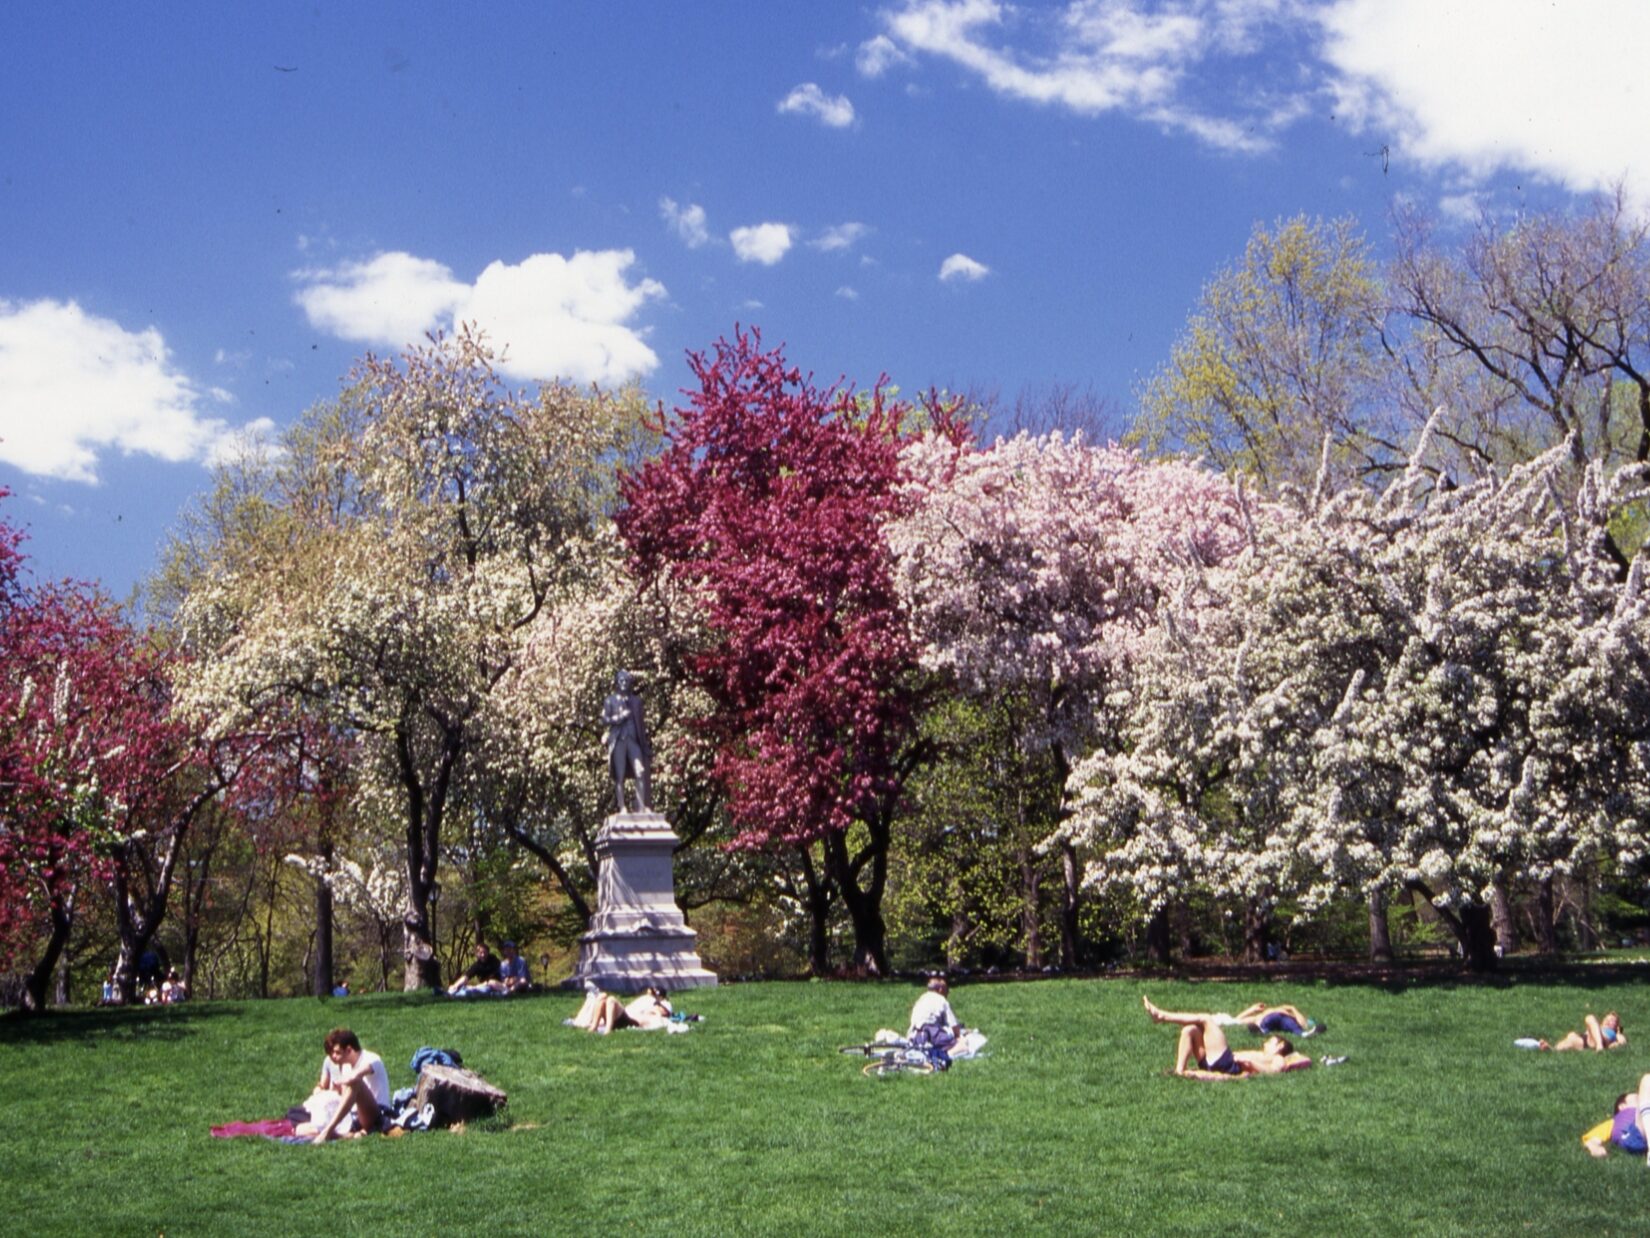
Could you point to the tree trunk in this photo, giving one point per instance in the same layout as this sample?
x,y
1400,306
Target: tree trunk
x,y
1257,931
324,982
1506,932
1031,929
1157,937
1546,928
1380,931
40,978
955,939
817,899
1069,905
1476,933
863,903
1586,932
424,815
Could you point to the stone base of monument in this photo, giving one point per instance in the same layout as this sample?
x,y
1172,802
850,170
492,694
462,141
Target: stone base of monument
x,y
637,937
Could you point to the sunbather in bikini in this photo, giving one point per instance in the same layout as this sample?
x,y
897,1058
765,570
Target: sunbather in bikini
x,y
1204,1054
1596,1034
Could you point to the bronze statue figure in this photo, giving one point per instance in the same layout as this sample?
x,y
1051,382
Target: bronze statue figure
x,y
628,750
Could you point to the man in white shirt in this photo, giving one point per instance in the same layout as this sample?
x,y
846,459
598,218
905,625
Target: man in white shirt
x,y
360,1076
933,1007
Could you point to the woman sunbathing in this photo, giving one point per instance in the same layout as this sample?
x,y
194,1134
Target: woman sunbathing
x,y
601,1013
1204,1054
1595,1034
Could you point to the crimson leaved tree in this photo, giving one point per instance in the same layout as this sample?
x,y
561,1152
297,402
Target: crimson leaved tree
x,y
771,500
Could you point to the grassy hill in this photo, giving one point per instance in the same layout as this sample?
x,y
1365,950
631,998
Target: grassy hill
x,y
752,1123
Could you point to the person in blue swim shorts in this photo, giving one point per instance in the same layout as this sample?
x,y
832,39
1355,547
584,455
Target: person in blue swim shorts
x,y
1203,1052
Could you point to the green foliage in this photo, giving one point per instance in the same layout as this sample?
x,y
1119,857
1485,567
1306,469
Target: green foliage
x,y
753,1124
969,883
1282,351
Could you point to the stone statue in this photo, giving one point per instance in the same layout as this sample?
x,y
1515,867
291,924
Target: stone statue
x,y
628,749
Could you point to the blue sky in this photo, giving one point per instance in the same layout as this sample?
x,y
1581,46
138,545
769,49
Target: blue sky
x,y
210,210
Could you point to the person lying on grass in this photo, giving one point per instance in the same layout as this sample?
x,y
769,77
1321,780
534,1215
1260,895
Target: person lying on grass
x,y
1621,1129
1596,1034
1271,1019
1204,1054
601,1013
362,1083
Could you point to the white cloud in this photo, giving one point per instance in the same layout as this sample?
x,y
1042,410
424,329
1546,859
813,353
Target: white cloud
x,y
961,266
847,293
1465,89
73,385
877,55
1098,56
764,243
809,100
553,317
839,236
1554,90
391,299
688,222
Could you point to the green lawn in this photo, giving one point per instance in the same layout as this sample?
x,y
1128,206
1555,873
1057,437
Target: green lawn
x,y
754,1124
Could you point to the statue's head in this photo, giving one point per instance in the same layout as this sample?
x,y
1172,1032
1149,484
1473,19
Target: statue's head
x,y
626,681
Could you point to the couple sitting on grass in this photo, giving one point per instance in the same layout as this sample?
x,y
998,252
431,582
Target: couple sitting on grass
x,y
1203,1052
352,1097
490,976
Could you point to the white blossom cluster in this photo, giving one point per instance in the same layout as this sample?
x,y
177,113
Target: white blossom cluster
x,y
1388,692
1037,565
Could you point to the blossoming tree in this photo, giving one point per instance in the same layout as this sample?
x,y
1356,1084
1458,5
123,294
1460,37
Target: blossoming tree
x,y
427,519
1032,571
770,502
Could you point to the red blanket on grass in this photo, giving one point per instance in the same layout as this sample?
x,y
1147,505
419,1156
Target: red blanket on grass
x,y
268,1128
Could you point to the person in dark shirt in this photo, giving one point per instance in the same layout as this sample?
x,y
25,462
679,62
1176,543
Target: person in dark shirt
x,y
479,973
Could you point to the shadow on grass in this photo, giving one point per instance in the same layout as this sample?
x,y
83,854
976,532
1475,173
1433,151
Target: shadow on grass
x,y
168,1022
1442,974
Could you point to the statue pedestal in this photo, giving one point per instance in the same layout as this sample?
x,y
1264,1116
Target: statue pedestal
x,y
637,937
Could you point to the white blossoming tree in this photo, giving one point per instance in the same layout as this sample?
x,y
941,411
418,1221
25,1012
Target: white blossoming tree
x,y
1397,693
426,521
1032,571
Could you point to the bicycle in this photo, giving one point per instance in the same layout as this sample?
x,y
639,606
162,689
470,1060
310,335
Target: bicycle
x,y
890,1059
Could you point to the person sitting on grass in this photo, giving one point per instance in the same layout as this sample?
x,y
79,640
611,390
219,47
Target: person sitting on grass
x,y
1621,1129
601,1013
1596,1034
512,972
477,975
1204,1054
363,1083
932,1019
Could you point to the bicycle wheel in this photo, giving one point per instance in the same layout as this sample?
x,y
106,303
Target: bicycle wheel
x,y
898,1064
